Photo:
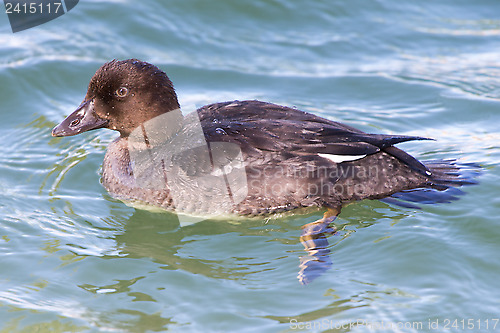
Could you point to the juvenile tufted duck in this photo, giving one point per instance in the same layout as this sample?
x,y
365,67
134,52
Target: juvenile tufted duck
x,y
243,157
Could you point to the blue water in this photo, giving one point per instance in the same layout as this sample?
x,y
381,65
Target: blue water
x,y
75,260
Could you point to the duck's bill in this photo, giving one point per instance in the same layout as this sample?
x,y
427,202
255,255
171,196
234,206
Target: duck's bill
x,y
82,120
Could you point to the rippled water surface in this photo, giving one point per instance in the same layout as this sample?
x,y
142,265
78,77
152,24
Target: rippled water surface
x,y
75,260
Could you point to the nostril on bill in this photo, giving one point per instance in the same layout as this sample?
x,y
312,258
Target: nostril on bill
x,y
74,122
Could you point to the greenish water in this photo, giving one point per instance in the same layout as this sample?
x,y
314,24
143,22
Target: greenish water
x,y
73,259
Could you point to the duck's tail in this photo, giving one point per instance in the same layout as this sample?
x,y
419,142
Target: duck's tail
x,y
443,186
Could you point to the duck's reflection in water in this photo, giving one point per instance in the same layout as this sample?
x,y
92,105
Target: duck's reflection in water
x,y
247,249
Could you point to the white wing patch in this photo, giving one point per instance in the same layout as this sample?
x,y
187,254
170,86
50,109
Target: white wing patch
x,y
341,158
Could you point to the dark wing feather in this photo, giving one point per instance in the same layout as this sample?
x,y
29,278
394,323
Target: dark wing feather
x,y
256,125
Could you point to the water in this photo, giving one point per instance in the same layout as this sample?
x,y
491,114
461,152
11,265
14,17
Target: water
x,y
73,259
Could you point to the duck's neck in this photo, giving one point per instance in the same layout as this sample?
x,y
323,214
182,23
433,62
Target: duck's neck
x,y
158,130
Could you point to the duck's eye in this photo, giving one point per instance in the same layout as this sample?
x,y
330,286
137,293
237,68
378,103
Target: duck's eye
x,y
121,92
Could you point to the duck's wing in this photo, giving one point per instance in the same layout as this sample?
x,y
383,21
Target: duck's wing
x,y
259,127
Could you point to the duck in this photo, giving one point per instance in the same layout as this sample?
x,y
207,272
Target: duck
x,y
244,158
